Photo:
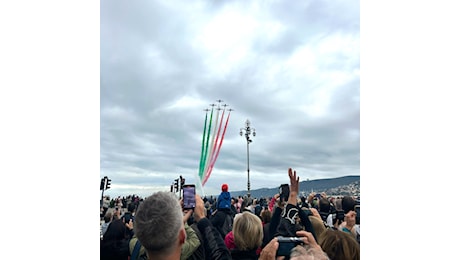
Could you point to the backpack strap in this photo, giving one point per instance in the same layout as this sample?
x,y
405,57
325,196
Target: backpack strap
x,y
136,249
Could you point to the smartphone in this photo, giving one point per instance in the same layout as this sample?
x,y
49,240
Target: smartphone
x,y
284,192
357,210
188,196
286,244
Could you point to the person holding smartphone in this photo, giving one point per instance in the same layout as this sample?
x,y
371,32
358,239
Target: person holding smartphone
x,y
292,218
349,225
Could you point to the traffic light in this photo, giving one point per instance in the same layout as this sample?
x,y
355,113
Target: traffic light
x,y
182,182
102,184
107,183
176,185
172,186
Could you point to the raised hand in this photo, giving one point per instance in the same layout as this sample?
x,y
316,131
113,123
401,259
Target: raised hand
x,y
308,239
294,180
269,251
130,225
188,213
199,212
294,189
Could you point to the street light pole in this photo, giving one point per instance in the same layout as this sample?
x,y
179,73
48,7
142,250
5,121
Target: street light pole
x,y
247,134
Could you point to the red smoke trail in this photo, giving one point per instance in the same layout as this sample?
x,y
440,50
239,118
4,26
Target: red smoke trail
x,y
208,173
215,142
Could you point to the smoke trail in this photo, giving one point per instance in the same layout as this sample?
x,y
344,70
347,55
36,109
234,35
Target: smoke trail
x,y
200,173
207,142
208,157
208,173
216,141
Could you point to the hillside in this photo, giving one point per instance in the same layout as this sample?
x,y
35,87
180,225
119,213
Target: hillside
x,y
347,185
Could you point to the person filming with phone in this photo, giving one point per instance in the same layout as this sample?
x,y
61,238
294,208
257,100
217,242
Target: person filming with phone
x,y
351,222
160,228
290,240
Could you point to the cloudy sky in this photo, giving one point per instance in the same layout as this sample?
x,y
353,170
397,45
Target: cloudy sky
x,y
291,67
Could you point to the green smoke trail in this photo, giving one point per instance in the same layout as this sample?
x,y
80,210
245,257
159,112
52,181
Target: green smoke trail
x,y
207,143
200,174
211,146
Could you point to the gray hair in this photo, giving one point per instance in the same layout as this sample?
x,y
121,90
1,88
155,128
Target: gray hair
x,y
307,253
158,221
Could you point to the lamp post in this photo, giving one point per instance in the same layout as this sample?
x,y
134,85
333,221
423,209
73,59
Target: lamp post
x,y
247,134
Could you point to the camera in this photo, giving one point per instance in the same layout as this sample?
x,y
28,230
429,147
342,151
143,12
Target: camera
x,y
286,244
340,215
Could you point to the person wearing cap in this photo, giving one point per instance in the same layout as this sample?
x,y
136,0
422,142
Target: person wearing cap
x,y
223,209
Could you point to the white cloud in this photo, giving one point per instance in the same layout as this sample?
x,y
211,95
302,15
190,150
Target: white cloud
x,y
293,70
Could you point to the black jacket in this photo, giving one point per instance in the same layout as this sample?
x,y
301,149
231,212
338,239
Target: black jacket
x,y
219,218
214,245
244,255
280,226
115,249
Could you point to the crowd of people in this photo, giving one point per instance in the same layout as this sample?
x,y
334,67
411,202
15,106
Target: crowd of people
x,y
292,227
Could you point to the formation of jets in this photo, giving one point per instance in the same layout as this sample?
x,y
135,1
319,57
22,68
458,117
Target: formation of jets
x,y
218,106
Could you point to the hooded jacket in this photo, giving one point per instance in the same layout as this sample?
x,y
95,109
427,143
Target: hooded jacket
x,y
224,200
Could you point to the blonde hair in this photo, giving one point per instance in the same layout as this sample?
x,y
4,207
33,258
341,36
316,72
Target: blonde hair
x,y
339,245
247,231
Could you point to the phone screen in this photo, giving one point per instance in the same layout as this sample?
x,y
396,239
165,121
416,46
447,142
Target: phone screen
x,y
188,191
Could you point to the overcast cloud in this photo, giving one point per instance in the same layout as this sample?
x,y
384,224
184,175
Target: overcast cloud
x,y
291,67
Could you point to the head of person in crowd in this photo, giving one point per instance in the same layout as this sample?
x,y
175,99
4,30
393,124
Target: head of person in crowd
x,y
338,204
247,231
303,202
114,243
108,217
315,203
324,205
224,199
131,207
159,226
116,231
307,253
348,203
332,201
116,213
107,220
129,215
265,216
229,238
339,245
